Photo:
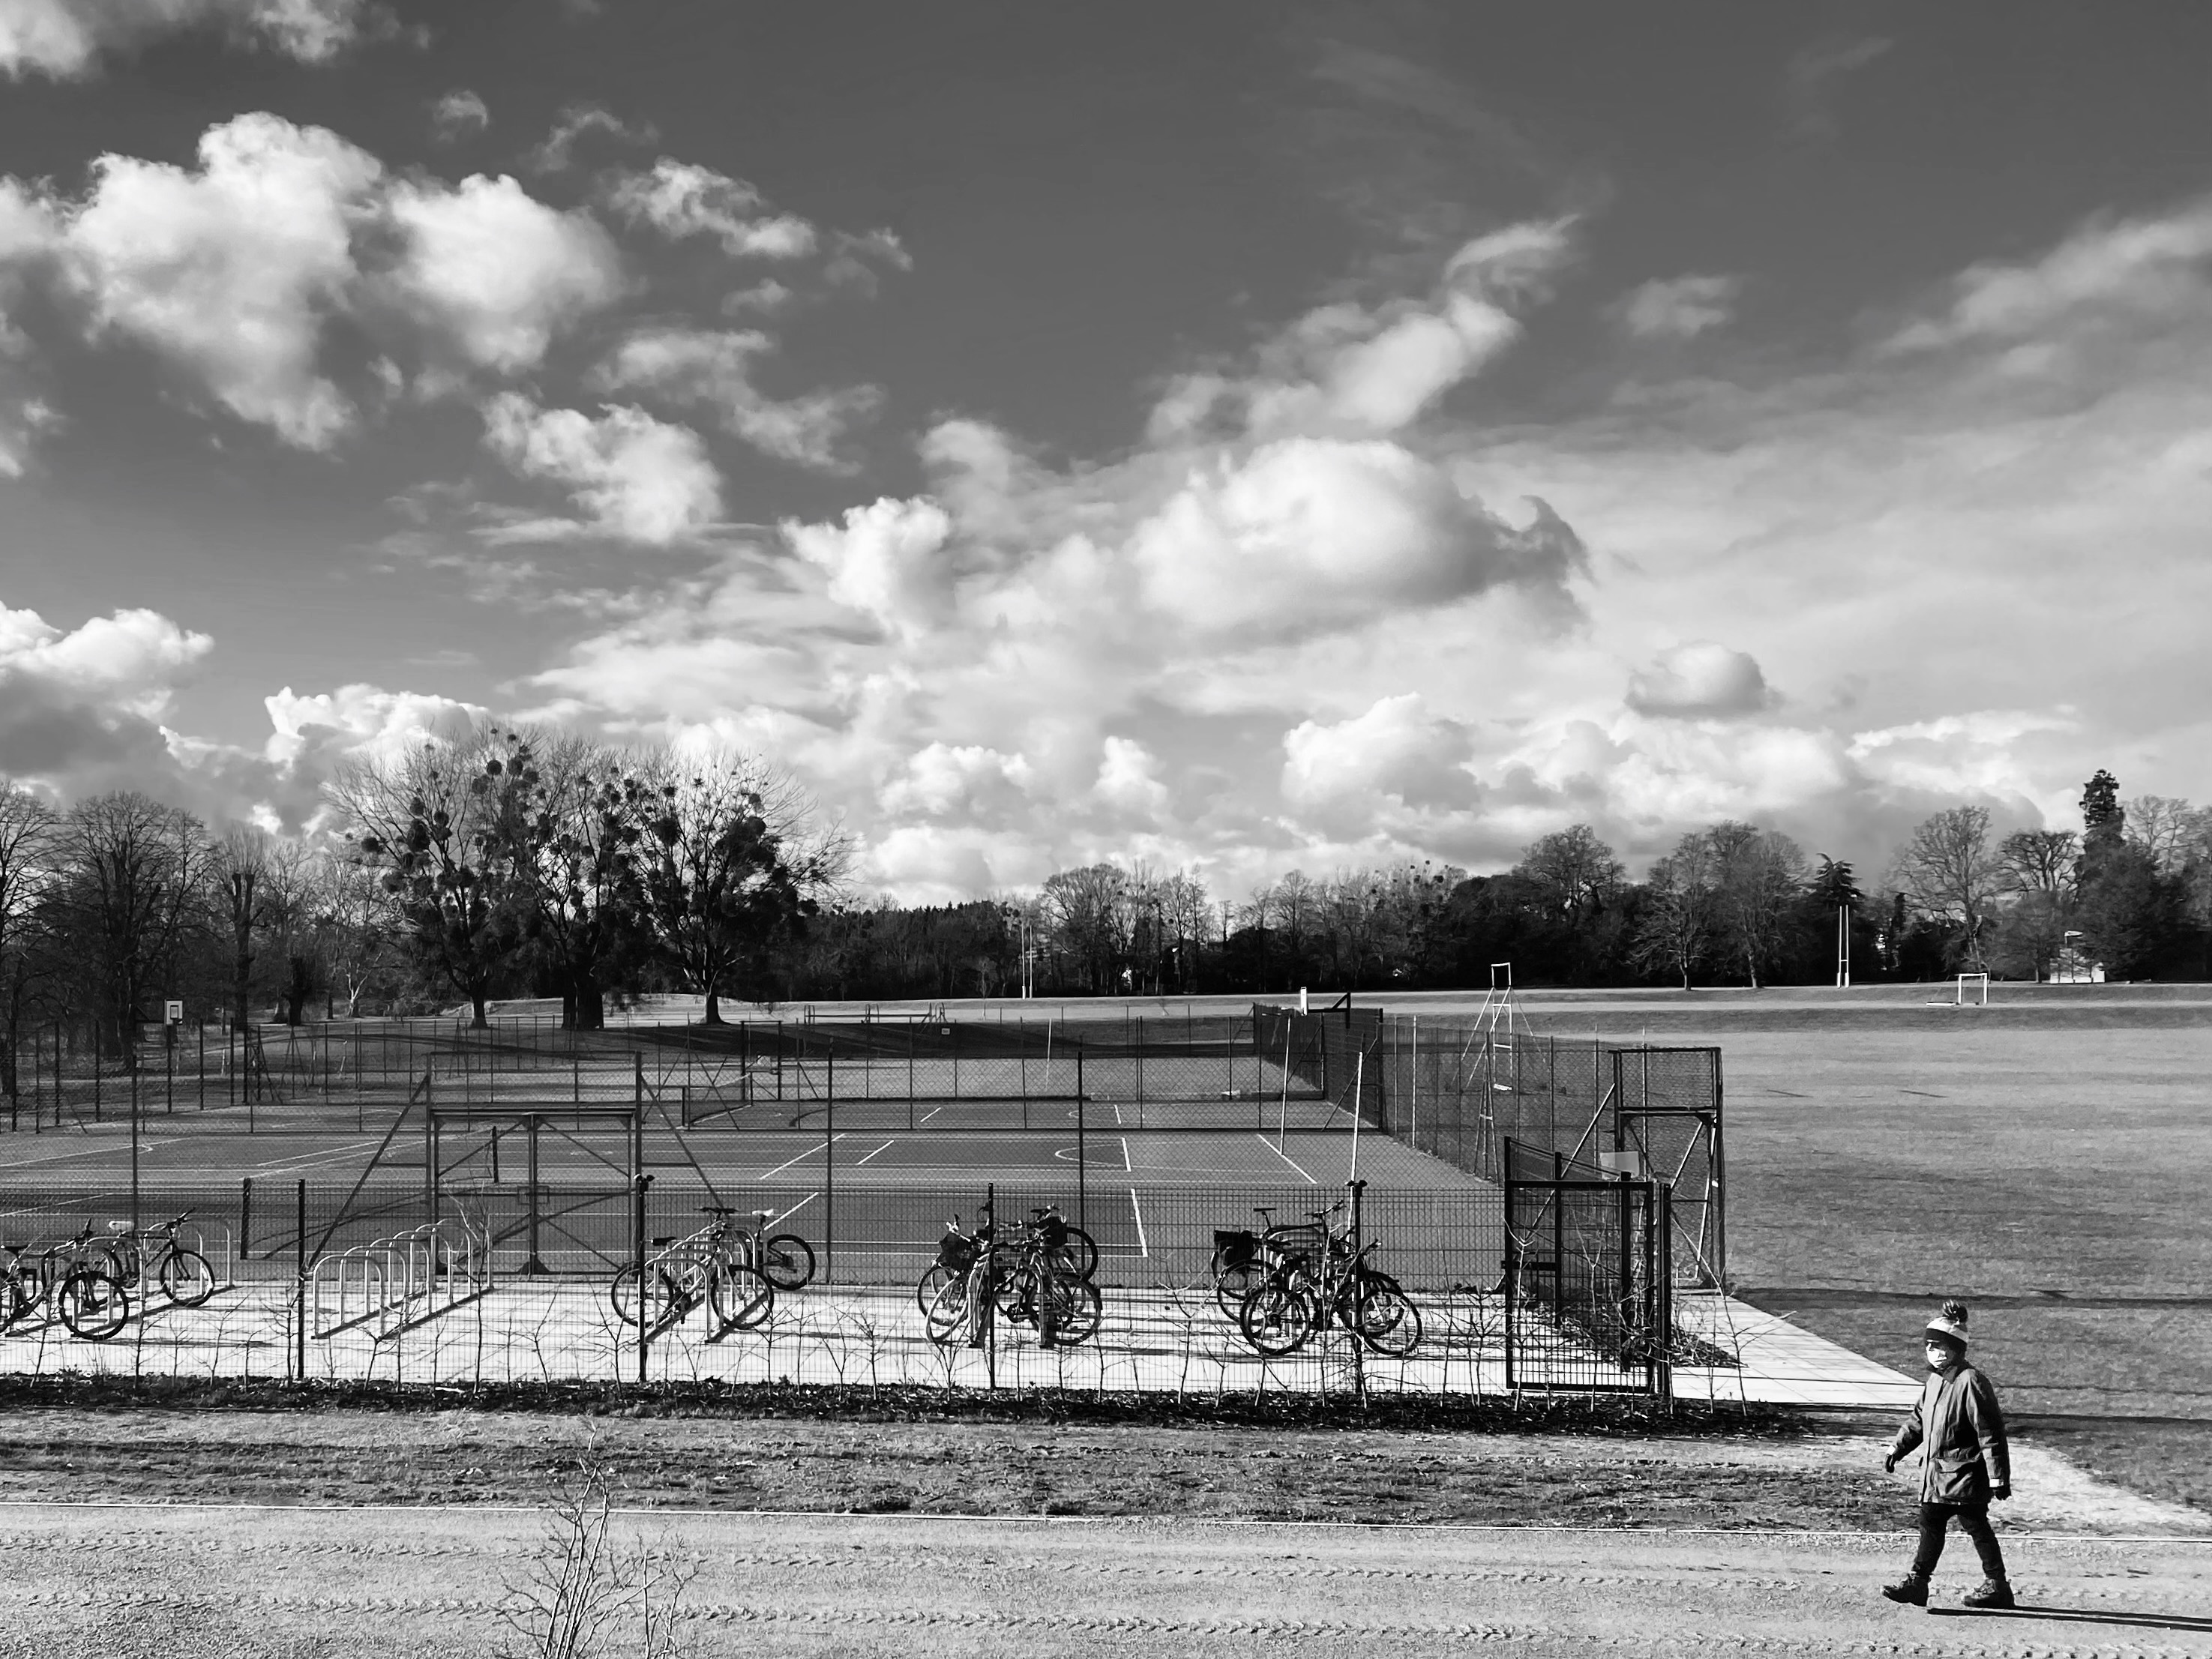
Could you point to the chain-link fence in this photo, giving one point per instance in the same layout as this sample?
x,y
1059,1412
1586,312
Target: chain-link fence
x,y
489,1281
1460,1088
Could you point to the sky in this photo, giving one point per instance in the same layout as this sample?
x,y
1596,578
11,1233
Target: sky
x,y
1238,438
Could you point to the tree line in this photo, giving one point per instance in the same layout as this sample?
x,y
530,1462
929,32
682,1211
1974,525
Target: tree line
x,y
508,863
537,864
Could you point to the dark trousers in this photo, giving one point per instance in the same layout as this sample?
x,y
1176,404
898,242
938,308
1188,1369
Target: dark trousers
x,y
1973,1520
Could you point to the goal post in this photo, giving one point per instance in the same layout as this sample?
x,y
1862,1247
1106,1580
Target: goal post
x,y
1974,992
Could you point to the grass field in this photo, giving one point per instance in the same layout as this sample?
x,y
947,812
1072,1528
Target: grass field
x,y
2055,1178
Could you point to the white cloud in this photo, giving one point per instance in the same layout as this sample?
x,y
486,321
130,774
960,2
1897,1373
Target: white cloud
x,y
1397,748
84,704
309,734
497,272
638,479
1305,535
1679,307
1700,681
64,38
576,122
1129,782
458,115
887,559
680,200
229,271
700,366
2157,267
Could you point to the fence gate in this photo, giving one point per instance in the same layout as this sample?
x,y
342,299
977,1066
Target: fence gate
x,y
1667,1117
1588,1295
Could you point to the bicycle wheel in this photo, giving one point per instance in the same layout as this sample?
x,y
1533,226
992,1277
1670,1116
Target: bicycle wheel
x,y
786,1261
1232,1283
621,1293
1078,1254
1389,1322
24,1290
739,1296
1076,1308
1277,1317
934,1278
187,1279
92,1303
946,1321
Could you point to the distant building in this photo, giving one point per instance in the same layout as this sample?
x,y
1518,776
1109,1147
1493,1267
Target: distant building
x,y
2073,967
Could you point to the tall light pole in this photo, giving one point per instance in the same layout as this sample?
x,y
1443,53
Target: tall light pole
x,y
1843,945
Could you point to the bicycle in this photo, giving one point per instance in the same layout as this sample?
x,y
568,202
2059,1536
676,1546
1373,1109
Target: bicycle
x,y
699,1269
785,1260
22,1283
1044,1288
1030,1280
89,1301
1302,1296
1242,1257
183,1273
956,1253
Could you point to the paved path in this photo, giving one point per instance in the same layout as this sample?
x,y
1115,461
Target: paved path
x,y
184,1583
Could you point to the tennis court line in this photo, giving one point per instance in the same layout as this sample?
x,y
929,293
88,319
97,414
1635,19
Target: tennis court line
x,y
777,1221
886,1146
1283,1155
1138,1215
1128,1168
801,1158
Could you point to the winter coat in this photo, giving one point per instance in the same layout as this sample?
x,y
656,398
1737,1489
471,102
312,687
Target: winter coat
x,y
1958,1420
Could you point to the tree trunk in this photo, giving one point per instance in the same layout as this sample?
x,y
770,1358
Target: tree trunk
x,y
714,1014
476,1002
587,1002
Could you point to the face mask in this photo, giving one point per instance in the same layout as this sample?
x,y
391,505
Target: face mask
x,y
1939,1356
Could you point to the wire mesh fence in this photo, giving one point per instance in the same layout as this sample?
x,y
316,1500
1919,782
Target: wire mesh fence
x,y
1460,1088
499,1281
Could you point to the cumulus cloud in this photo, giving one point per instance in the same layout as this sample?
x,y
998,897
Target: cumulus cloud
x,y
310,734
458,115
233,272
1679,307
637,478
680,200
230,270
498,273
1700,681
715,369
1307,534
87,702
887,559
1396,749
66,39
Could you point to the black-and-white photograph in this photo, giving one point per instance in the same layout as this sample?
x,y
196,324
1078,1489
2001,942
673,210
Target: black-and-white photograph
x,y
984,828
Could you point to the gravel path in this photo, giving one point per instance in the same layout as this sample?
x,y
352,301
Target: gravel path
x,y
185,1582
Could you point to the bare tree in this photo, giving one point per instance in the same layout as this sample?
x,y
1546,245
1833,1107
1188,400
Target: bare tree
x,y
2166,827
1674,933
1085,910
1948,869
427,823
30,847
2039,861
241,863
734,854
1570,872
131,890
1758,876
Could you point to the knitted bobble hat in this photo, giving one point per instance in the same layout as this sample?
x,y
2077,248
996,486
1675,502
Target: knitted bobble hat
x,y
1950,1321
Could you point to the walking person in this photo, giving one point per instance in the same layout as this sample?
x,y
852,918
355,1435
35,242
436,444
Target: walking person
x,y
1965,1463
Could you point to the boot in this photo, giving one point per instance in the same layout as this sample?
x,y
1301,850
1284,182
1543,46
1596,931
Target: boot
x,y
1911,1589
1990,1593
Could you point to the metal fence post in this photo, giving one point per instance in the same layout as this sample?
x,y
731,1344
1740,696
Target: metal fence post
x,y
638,1186
245,1217
828,1186
300,1284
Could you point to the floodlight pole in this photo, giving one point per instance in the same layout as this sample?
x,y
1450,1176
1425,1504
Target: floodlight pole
x,y
1843,946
